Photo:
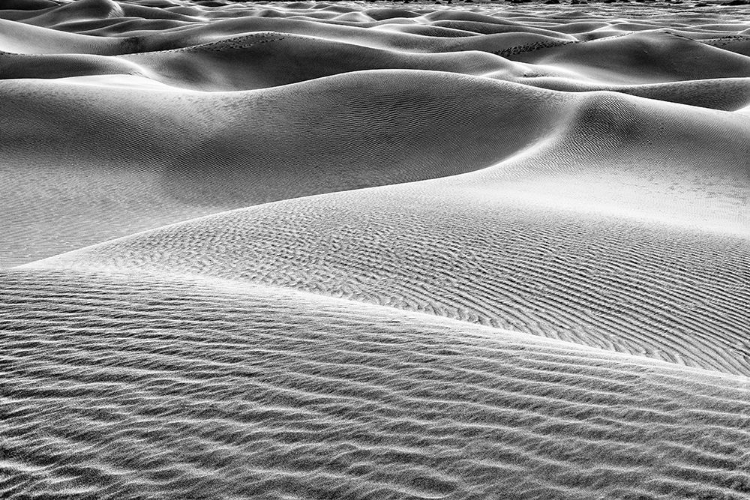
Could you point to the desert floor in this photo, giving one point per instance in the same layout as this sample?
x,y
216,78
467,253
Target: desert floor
x,y
374,250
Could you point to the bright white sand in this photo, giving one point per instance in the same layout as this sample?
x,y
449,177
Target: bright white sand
x,y
374,250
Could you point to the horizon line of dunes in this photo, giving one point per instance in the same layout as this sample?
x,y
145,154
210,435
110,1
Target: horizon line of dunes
x,y
44,4
374,250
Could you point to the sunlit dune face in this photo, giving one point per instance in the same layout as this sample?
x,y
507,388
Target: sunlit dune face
x,y
374,250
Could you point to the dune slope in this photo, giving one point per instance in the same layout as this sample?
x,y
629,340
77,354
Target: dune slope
x,y
155,156
643,247
347,250
137,386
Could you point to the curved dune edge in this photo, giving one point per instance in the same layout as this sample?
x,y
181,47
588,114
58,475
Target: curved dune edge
x,y
638,288
263,60
64,118
160,387
546,242
651,56
144,157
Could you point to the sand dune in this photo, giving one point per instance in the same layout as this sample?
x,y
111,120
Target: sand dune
x,y
265,59
142,386
184,153
726,94
347,250
651,57
413,232
490,258
28,39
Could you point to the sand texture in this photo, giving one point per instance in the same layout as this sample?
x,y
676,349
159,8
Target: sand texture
x,y
374,250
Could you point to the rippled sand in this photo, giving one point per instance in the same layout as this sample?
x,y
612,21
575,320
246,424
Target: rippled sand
x,y
347,250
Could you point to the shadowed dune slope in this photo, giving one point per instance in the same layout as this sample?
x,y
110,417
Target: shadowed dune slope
x,y
78,11
726,94
600,234
269,59
27,39
53,66
738,44
650,57
260,60
108,160
32,6
375,37
82,11
142,386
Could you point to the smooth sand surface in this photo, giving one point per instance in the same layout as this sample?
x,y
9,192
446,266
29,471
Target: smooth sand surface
x,y
348,250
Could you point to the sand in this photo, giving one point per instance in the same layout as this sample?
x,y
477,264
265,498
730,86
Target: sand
x,y
374,250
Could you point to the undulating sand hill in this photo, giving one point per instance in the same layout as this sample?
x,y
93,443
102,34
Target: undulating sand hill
x,y
374,250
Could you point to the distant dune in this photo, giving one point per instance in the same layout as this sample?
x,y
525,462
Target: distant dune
x,y
374,250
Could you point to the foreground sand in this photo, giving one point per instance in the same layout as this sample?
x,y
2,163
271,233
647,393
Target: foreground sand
x,y
374,251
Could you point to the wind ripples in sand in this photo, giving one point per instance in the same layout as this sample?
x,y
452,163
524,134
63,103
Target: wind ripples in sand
x,y
310,250
619,286
147,387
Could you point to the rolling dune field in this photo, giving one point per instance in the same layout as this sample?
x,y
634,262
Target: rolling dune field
x,y
374,250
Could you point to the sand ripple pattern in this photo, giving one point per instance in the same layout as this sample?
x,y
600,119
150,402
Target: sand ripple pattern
x,y
150,387
616,285
361,250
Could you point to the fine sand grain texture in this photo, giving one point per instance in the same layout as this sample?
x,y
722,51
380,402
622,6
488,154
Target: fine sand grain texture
x,y
374,250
